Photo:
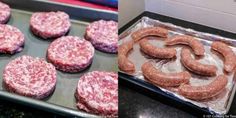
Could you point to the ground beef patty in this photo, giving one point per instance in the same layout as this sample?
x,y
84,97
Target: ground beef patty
x,y
31,77
103,35
70,53
50,24
97,92
5,13
11,39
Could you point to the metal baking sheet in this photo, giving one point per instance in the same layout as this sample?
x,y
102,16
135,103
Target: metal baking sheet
x,y
217,105
62,101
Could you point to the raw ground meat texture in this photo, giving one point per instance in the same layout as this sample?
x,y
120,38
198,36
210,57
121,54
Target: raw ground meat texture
x,y
50,24
70,53
5,13
97,92
11,39
29,76
103,35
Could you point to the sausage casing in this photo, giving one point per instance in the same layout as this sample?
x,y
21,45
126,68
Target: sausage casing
x,y
159,78
153,51
228,54
206,91
124,63
196,45
195,66
149,31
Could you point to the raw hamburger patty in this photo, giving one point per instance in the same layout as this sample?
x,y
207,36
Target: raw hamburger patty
x,y
70,53
11,39
97,92
103,35
5,13
31,77
50,24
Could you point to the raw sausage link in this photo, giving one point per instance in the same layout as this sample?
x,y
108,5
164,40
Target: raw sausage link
x,y
196,45
123,62
125,47
227,52
195,66
149,49
206,91
149,31
159,78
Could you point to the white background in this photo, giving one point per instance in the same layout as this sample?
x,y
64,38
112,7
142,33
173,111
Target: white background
x,y
220,14
129,9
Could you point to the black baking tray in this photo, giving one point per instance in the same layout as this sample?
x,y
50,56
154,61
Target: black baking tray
x,y
62,101
144,87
